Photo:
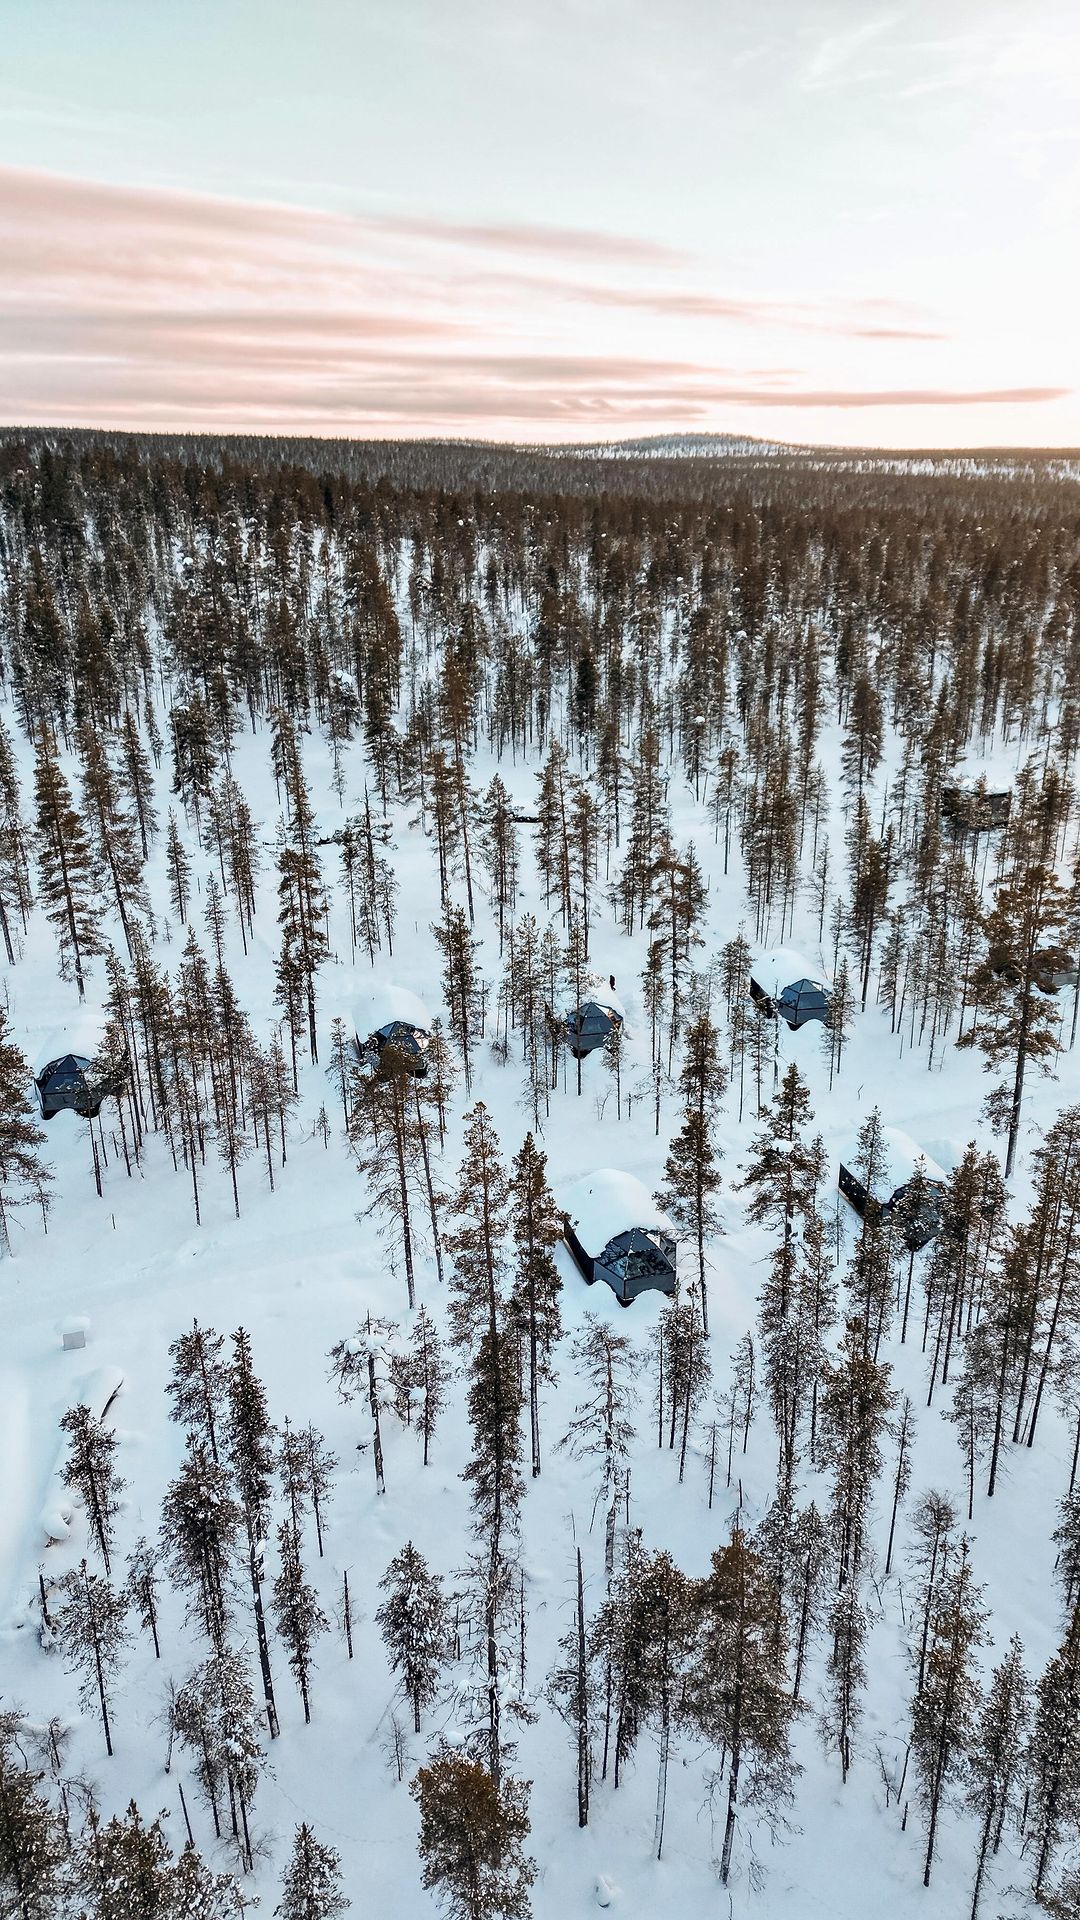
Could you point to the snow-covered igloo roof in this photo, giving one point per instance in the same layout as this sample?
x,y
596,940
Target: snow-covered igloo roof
x,y
81,1036
376,1006
775,968
607,1202
902,1156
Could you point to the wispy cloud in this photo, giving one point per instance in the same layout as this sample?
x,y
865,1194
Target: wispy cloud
x,y
128,307
837,61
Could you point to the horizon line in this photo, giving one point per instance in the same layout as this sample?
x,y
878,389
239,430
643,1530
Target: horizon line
x,y
631,442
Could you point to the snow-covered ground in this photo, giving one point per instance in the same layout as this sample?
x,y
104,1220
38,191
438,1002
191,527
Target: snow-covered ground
x,y
299,1271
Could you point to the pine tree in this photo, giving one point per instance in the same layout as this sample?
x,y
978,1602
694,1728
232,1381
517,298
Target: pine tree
x,y
137,778
606,1363
311,1884
14,860
738,1696
302,898
472,1837
200,1530
23,1175
536,1226
692,1181
1054,1754
845,1671
573,1692
142,1591
384,1133
214,1715
65,871
198,1384
33,1845
124,1870
90,1471
499,850
944,1707
684,1370
250,1450
668,1620
114,834
91,1628
996,1757
905,1434
297,1613
1018,1017
179,870
414,1621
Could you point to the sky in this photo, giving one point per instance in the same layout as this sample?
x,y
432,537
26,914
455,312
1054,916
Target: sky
x,y
544,220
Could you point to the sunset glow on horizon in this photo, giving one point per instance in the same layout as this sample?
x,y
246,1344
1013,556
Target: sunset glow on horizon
x,y
562,225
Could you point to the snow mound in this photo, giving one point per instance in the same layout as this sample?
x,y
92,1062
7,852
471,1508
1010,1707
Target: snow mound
x,y
776,967
901,1156
374,1006
608,1202
82,1035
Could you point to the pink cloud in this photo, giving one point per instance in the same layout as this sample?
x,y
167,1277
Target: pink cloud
x,y
129,306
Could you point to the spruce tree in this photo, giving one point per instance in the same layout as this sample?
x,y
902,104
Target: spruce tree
x,y
179,870
198,1384
688,1195
1018,1017
536,1226
414,1621
297,1613
33,1844
481,1206
472,1837
23,1174
311,1884
427,1375
90,1471
250,1450
124,1870
1054,1754
996,1755
738,1693
91,1627
65,871
142,1589
606,1365
944,1707
200,1532
214,1715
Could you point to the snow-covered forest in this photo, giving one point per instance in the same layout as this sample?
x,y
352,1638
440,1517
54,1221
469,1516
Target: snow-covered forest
x,y
355,1553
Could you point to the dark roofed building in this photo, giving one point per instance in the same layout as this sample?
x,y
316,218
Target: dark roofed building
x,y
408,1040
68,1085
615,1232
803,1000
901,1159
589,1025
971,807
